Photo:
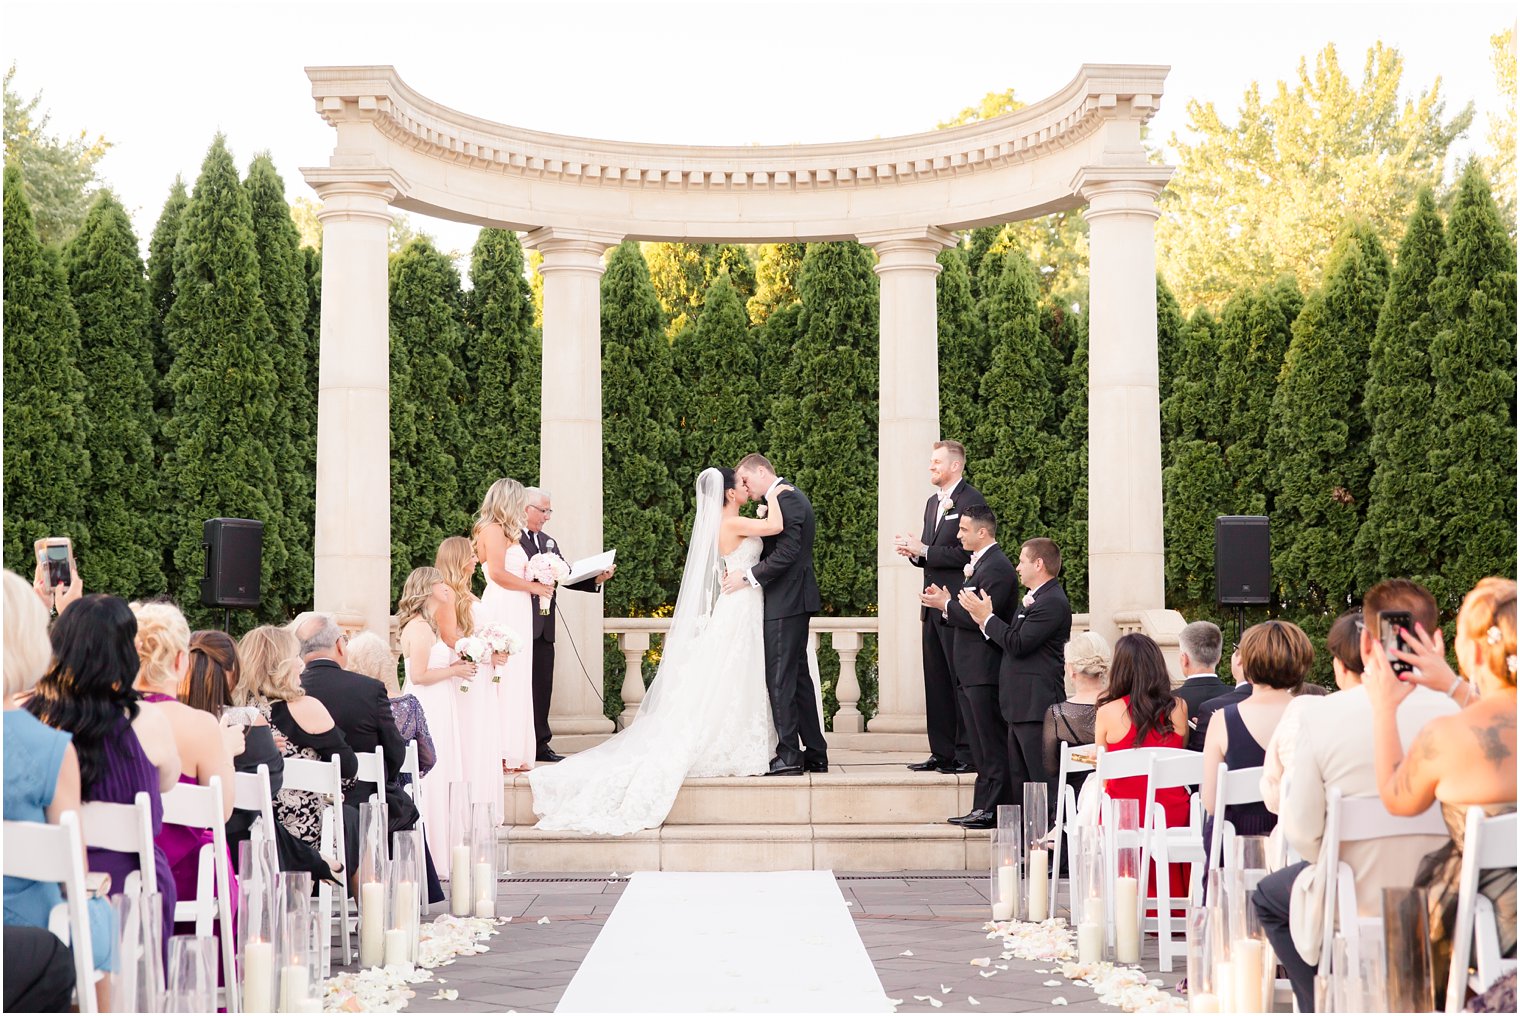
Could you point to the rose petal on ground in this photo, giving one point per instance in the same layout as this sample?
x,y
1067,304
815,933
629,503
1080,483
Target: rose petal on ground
x,y
447,994
906,952
982,961
1052,984
944,990
543,920
987,973
971,1001
1058,1000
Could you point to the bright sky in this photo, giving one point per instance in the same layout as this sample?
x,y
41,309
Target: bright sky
x,y
159,79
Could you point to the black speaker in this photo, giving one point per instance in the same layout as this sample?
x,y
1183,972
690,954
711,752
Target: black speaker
x,y
1242,559
234,552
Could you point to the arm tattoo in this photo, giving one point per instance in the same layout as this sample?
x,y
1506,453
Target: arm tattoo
x,y
1491,739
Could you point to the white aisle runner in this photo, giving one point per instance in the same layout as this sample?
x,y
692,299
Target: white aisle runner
x,y
681,941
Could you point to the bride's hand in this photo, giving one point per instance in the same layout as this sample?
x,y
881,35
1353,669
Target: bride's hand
x,y
780,489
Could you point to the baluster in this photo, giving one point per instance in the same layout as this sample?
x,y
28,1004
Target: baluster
x,y
847,720
634,644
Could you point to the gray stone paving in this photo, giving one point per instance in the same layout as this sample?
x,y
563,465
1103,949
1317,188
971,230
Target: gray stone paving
x,y
937,916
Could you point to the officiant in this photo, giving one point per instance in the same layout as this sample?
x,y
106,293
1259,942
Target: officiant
x,y
536,541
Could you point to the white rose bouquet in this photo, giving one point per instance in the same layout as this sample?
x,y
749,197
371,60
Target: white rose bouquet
x,y
548,569
476,650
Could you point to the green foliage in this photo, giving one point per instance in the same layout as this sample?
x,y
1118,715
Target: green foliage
x,y
1400,535
774,342
1191,410
1473,356
1196,487
992,104
221,460
1262,196
962,352
503,366
57,172
1065,472
293,431
123,500
429,444
1254,332
721,382
161,291
682,273
1170,336
824,426
1318,439
47,465
775,279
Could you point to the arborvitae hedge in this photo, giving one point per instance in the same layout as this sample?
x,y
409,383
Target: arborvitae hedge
x,y
161,290
962,352
502,366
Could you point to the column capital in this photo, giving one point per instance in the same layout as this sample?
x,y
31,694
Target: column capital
x,y
351,194
563,248
909,247
1124,190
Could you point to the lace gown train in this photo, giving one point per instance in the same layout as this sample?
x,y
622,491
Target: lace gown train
x,y
714,719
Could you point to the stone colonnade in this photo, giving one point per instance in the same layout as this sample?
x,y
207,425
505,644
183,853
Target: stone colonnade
x,y
902,197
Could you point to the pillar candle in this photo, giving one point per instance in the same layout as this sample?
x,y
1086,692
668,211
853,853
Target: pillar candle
x,y
1090,941
1039,884
485,907
371,924
1224,983
1203,1001
1247,955
459,881
405,905
295,985
398,949
1126,920
484,880
1008,890
258,977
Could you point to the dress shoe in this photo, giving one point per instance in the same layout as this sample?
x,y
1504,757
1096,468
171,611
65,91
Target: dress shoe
x,y
956,768
815,767
979,819
928,765
780,768
550,755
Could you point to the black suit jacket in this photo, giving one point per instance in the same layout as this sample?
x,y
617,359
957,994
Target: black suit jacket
x,y
1197,690
785,569
977,659
360,708
944,557
543,624
1200,724
1031,678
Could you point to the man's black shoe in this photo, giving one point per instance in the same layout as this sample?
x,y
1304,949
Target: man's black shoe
x,y
550,755
815,767
780,768
975,820
956,768
928,765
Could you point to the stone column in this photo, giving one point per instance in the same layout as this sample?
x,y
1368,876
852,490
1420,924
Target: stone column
x,y
353,510
1124,533
570,456
909,425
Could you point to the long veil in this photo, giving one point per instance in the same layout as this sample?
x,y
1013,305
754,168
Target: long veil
x,y
701,585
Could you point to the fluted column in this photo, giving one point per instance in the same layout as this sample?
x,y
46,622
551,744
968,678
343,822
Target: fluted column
x,y
1126,563
909,424
353,510
570,456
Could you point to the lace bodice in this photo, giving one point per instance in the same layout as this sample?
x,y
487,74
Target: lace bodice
x,y
745,555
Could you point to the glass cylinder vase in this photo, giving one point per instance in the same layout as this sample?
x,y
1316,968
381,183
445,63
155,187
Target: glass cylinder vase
x,y
1006,860
1252,963
1203,935
192,974
406,884
371,895
1089,911
1037,850
1406,951
1124,831
256,929
483,858
461,899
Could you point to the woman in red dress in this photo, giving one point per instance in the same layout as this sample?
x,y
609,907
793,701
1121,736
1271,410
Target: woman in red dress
x,y
1140,711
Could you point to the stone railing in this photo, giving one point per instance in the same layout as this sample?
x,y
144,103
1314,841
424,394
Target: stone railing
x,y
846,637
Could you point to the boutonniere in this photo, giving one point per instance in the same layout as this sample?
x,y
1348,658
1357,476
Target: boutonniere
x,y
1029,599
949,504
967,571
762,511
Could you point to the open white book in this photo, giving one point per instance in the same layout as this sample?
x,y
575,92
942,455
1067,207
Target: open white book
x,y
589,567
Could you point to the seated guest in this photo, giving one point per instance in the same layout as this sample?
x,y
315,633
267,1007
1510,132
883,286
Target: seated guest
x,y
269,679
369,655
1344,643
1462,760
1198,649
39,969
125,746
41,783
1331,753
1274,658
1087,660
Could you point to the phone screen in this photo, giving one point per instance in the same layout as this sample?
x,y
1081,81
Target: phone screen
x,y
1389,623
56,555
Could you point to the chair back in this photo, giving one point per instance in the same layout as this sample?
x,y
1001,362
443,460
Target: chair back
x,y
1066,802
197,807
372,770
44,852
252,792
411,767
1489,843
326,780
1232,786
126,829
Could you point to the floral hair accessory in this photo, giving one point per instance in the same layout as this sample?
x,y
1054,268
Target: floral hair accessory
x,y
1494,635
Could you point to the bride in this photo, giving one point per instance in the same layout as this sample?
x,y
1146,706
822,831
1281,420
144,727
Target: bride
x,y
707,712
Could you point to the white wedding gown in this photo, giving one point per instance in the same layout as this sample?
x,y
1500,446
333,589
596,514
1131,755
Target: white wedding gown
x,y
713,719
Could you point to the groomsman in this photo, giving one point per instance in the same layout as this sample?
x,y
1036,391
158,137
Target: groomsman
x,y
939,553
1031,677
535,541
977,660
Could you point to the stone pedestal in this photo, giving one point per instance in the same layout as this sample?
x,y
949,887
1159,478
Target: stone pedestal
x,y
1126,565
353,510
571,457
909,426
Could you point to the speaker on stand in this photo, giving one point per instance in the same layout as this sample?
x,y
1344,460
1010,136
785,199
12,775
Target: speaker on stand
x,y
234,557
1242,564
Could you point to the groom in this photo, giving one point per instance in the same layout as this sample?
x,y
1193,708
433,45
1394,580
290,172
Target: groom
x,y
785,573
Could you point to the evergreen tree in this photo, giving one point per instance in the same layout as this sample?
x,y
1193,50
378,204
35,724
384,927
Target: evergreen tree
x,y
293,431
429,446
979,242
1317,442
124,501
47,464
1066,465
774,341
1170,335
1401,533
1191,410
1017,405
962,352
1254,331
1473,355
733,260
642,502
1196,487
161,290
220,461
502,367
775,279
824,432
678,272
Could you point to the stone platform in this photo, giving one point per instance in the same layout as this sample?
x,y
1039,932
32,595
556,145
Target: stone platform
x,y
868,813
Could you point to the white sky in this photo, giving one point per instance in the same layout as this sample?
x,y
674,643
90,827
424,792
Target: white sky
x,y
159,79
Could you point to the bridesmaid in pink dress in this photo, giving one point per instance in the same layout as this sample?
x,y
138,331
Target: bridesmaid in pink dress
x,y
508,601
476,712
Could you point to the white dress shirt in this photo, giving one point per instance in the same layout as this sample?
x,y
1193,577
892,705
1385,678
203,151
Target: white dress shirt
x,y
749,573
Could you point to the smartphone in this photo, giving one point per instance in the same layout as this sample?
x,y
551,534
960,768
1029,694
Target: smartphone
x,y
55,558
1389,624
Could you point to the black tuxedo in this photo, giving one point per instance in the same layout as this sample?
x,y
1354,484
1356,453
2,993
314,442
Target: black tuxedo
x,y
977,662
361,709
1200,723
1198,689
543,638
945,705
1031,678
785,573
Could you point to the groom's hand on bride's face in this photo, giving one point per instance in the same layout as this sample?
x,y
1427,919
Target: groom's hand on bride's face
x,y
733,582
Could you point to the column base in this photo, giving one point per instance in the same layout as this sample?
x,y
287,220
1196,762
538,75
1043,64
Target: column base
x,y
897,723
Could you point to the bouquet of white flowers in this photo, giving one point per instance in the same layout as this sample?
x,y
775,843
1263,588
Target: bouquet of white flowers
x,y
501,639
475,649
548,569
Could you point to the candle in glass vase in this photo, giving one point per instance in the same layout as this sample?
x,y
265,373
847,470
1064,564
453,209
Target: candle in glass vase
x,y
405,904
1247,955
258,976
1008,890
1039,884
1090,938
485,907
1127,920
1203,1001
371,924
398,949
485,887
1224,983
295,985
459,881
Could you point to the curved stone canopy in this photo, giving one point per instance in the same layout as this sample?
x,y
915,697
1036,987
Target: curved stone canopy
x,y
441,162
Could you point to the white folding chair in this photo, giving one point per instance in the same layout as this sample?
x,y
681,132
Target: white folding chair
x,y
252,792
326,780
1066,807
1489,843
198,807
126,829
372,770
55,853
1168,845
411,768
1233,786
1114,765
